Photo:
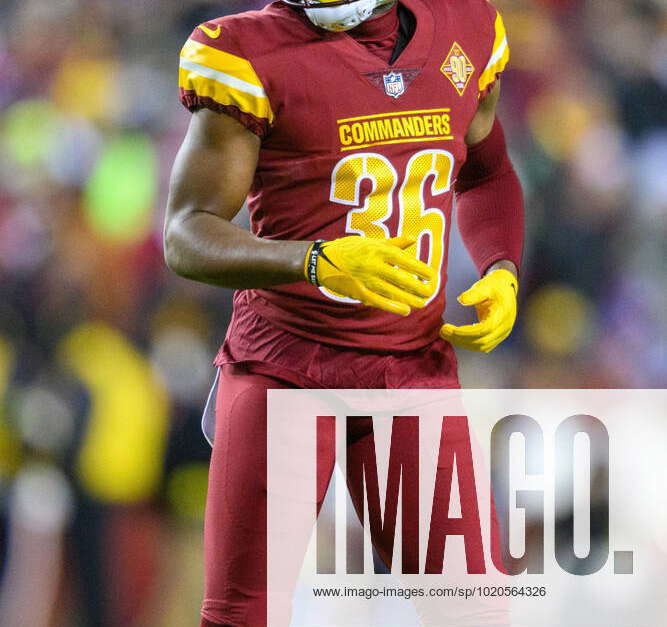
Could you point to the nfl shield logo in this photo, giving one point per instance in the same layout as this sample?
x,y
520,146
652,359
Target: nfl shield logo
x,y
393,84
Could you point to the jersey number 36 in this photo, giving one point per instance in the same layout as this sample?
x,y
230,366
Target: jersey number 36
x,y
416,221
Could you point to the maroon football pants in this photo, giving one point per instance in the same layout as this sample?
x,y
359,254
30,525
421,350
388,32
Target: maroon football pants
x,y
235,527
235,534
236,511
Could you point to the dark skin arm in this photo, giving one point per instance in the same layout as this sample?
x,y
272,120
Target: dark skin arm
x,y
479,129
210,180
211,177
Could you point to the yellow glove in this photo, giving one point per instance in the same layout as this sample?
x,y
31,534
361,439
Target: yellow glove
x,y
379,273
494,297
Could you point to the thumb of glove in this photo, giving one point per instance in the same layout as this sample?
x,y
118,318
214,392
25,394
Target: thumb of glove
x,y
400,242
473,296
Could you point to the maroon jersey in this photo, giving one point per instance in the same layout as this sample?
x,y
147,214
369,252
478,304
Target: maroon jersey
x,y
350,144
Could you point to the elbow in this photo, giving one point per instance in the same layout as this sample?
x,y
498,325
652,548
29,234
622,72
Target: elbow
x,y
173,255
171,259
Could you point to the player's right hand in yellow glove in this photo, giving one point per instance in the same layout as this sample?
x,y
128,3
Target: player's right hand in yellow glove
x,y
379,273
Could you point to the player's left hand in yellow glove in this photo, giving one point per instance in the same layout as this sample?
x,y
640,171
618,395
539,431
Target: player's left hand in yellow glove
x,y
494,297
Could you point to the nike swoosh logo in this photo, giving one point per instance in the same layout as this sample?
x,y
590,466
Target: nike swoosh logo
x,y
210,32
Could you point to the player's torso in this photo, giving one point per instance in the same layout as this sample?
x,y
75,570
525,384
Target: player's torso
x,y
359,146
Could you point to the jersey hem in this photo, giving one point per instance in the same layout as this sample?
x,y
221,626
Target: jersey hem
x,y
268,369
349,344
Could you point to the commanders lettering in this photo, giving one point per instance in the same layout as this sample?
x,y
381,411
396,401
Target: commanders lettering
x,y
407,127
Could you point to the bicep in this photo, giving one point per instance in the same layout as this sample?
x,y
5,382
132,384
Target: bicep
x,y
482,122
214,168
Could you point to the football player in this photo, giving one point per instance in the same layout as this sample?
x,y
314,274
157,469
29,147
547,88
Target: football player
x,y
349,126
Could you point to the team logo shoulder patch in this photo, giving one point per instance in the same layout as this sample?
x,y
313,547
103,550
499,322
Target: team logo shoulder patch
x,y
394,85
458,68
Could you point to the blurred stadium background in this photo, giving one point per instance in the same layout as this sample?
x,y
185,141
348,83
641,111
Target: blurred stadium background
x,y
105,357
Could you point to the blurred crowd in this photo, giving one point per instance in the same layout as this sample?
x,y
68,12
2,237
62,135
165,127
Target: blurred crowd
x,y
105,356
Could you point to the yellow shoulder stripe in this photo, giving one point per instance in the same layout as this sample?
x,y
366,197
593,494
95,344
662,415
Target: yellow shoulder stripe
x,y
500,54
220,61
224,77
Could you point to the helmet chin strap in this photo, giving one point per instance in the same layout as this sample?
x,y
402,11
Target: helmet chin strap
x,y
344,17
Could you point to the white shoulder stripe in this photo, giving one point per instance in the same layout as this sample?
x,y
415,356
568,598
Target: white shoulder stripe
x,y
225,79
498,54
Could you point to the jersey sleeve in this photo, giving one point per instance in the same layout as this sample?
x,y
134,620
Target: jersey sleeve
x,y
214,74
500,54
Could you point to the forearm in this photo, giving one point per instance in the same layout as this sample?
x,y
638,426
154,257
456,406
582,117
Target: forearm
x,y
489,205
205,247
